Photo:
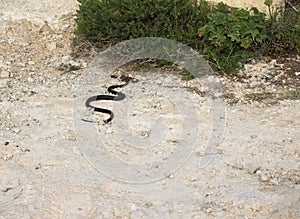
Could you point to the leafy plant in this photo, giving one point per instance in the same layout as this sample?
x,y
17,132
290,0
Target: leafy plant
x,y
283,28
230,33
273,11
227,37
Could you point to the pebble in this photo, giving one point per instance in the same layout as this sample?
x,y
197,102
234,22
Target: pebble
x,y
4,74
256,207
51,46
8,157
21,64
4,82
158,82
263,175
194,179
71,136
171,176
65,59
6,189
16,130
30,79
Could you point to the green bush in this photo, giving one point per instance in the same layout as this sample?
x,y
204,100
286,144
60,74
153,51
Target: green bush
x,y
230,33
111,21
226,37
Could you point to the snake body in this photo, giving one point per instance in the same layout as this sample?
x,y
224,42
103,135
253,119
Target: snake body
x,y
117,96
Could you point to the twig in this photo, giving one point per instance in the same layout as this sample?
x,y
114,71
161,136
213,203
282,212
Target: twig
x,y
293,7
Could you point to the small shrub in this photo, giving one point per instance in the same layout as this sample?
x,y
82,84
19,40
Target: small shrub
x,y
111,21
230,34
283,28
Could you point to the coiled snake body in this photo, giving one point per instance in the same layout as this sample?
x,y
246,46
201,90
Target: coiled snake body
x,y
117,96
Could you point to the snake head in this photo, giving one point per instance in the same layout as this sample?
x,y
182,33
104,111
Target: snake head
x,y
128,78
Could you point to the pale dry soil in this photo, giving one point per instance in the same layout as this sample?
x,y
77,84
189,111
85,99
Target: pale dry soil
x,y
45,171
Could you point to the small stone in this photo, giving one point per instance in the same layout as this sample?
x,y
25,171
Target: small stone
x,y
84,64
4,74
297,73
30,79
279,65
273,62
21,64
45,28
16,130
194,179
201,153
11,75
11,40
71,136
4,82
274,181
256,207
65,59
281,74
171,176
158,82
174,141
8,157
73,65
263,176
51,46
6,189
38,166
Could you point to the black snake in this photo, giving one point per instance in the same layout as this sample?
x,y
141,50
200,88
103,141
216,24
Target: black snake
x,y
117,96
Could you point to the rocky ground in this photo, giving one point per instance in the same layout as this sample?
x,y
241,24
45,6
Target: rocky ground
x,y
46,170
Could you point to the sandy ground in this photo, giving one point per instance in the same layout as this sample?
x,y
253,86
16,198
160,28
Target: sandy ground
x,y
48,169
